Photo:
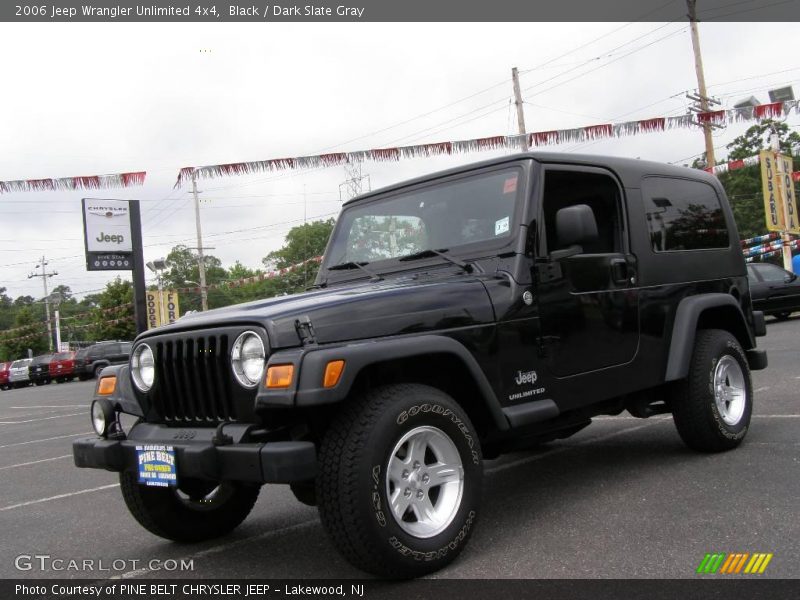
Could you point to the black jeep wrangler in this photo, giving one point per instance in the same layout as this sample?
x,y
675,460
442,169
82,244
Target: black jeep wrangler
x,y
454,317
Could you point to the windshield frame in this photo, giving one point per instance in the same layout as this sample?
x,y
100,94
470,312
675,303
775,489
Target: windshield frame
x,y
472,251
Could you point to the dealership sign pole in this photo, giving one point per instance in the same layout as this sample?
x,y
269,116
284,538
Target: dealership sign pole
x,y
113,240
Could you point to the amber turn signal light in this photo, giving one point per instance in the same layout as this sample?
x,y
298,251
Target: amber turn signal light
x,y
333,373
280,376
107,386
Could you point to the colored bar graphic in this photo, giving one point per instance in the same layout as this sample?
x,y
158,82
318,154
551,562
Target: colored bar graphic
x,y
711,562
732,563
741,562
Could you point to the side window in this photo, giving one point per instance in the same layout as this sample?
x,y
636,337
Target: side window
x,y
599,192
683,215
126,348
771,273
112,349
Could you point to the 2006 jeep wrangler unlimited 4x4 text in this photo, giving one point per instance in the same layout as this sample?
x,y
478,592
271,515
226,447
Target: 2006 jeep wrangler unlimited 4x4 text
x,y
454,317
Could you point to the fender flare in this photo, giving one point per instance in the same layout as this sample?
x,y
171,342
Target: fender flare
x,y
685,326
123,398
358,356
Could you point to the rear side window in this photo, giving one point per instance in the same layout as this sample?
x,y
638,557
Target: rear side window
x,y
126,348
683,215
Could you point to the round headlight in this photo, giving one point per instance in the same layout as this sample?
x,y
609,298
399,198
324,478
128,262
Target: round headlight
x,y
102,416
143,367
248,359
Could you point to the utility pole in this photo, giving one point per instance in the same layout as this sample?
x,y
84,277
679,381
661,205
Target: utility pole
x,y
44,275
701,81
520,111
200,259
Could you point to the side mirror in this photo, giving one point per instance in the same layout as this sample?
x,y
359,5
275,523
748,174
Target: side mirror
x,y
790,277
575,225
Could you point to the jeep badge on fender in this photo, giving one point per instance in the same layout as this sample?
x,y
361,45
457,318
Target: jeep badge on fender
x,y
454,317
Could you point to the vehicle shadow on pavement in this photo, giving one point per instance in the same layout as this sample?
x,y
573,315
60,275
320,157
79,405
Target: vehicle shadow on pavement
x,y
523,493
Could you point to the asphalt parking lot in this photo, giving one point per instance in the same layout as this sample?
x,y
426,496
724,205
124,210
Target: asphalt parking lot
x,y
622,499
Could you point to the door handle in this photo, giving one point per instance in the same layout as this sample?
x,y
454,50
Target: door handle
x,y
619,270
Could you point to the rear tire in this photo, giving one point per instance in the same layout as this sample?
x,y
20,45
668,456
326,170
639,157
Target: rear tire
x,y
399,482
97,370
205,510
712,406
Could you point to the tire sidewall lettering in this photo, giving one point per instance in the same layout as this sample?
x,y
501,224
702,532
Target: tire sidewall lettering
x,y
453,538
437,409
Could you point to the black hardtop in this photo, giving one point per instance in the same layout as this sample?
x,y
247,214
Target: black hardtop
x,y
630,171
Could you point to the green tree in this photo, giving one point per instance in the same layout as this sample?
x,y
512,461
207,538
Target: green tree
x,y
29,333
184,272
302,243
117,293
6,310
757,138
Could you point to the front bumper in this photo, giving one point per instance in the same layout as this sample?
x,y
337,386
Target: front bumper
x,y
263,462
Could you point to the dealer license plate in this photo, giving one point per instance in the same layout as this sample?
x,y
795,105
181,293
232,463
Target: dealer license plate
x,y
157,465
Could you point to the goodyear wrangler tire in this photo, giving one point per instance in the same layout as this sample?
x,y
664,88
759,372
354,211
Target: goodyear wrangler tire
x,y
197,511
712,406
400,480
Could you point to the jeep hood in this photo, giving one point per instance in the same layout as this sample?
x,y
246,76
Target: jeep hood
x,y
350,312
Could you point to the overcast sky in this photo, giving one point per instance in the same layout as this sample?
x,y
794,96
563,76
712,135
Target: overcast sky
x,y
86,99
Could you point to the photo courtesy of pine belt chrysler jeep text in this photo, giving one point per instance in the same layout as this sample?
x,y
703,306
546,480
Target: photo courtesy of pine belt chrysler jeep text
x,y
455,317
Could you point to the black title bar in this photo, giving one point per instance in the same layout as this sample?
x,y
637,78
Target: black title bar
x,y
396,10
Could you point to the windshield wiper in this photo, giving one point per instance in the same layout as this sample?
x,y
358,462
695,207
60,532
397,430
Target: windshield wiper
x,y
441,252
356,265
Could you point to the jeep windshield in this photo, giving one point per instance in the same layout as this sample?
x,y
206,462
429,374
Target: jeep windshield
x,y
460,215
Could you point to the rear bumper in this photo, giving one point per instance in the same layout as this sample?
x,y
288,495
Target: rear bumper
x,y
271,462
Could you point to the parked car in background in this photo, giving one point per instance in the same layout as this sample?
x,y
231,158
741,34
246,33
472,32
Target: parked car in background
x,y
62,367
93,359
39,369
4,372
18,375
774,291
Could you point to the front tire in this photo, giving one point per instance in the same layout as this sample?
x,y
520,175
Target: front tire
x,y
712,407
196,512
400,480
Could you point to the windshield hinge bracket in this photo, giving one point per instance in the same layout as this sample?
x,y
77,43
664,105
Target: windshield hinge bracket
x,y
305,330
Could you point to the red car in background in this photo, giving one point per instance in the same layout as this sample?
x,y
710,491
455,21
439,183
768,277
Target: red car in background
x,y
4,369
62,367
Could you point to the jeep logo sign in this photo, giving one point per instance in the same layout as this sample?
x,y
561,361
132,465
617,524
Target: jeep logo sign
x,y
117,239
108,225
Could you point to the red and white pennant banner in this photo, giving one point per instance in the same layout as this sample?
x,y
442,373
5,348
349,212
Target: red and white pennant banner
x,y
535,140
91,182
